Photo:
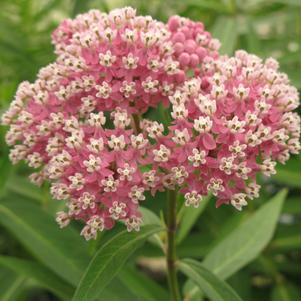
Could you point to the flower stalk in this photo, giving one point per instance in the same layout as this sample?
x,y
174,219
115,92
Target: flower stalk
x,y
171,245
136,123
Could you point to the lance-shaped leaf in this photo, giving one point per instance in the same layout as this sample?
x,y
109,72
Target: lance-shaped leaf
x,y
214,288
226,30
141,285
11,285
62,251
43,276
150,218
189,217
245,243
108,261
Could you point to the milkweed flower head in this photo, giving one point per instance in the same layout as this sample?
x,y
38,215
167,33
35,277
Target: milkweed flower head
x,y
82,126
230,124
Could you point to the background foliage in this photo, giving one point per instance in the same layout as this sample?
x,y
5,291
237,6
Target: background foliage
x,y
40,262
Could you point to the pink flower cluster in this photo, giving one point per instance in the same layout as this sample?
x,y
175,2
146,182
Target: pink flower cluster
x,y
81,123
230,123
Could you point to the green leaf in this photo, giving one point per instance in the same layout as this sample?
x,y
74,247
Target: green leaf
x,y
245,243
24,188
150,218
285,292
142,286
46,9
108,261
10,285
191,292
195,245
189,217
252,40
40,274
117,291
225,29
241,282
4,165
210,284
62,251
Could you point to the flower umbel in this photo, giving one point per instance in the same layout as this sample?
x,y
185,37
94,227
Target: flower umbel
x,y
82,124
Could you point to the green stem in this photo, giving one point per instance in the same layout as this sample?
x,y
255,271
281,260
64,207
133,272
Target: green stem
x,y
171,246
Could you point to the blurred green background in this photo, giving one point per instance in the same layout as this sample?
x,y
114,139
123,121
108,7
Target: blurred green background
x,y
264,27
